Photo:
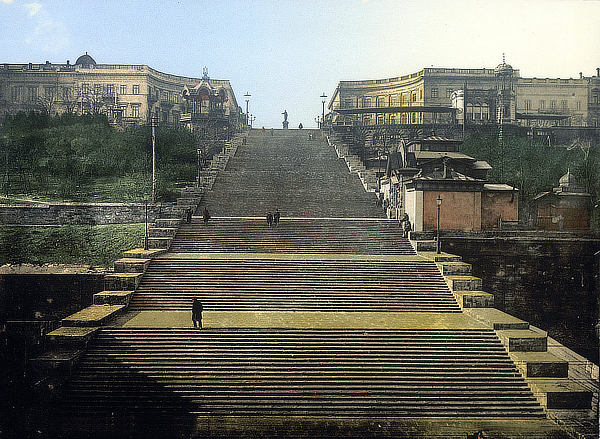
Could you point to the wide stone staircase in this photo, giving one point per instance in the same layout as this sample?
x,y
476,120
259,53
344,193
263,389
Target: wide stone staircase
x,y
286,171
328,325
314,373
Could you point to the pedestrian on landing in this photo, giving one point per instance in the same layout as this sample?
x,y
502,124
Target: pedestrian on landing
x,y
407,227
197,313
188,216
272,132
269,219
300,126
205,215
276,217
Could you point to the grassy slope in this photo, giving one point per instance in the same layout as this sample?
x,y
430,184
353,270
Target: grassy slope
x,y
90,245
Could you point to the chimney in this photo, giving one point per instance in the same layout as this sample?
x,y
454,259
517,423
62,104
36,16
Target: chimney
x,y
580,75
598,72
30,66
68,62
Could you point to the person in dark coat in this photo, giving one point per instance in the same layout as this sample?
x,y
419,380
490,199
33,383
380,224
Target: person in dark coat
x,y
197,313
188,216
276,217
269,219
205,215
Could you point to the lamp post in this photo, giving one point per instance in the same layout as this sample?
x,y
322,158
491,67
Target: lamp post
x,y
146,225
154,124
252,119
198,161
437,239
323,96
247,96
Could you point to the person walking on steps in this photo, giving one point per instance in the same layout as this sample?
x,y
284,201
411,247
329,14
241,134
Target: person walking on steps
x,y
205,215
197,313
276,217
269,219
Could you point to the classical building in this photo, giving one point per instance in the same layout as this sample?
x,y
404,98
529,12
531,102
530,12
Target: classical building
x,y
566,207
127,94
486,96
425,170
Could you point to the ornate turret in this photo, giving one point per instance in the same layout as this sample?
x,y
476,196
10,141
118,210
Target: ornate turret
x,y
505,104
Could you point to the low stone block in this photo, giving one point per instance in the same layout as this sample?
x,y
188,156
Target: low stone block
x,y
425,246
113,298
540,365
158,242
496,319
131,265
455,268
463,283
93,315
122,281
70,337
162,232
143,254
523,340
168,222
474,299
57,361
560,393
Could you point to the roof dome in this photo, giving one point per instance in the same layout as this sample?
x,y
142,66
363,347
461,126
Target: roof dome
x,y
85,60
567,180
503,68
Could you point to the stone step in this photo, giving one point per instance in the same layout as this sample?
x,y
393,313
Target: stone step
x,y
439,258
168,222
71,337
131,265
113,297
140,253
464,283
474,299
523,340
424,246
158,242
496,319
560,393
93,315
455,268
162,232
56,363
540,365
122,281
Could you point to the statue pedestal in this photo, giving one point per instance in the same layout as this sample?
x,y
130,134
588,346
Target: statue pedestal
x,y
285,124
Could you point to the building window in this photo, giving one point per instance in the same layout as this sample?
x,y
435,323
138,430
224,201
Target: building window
x,y
85,88
110,89
97,89
32,94
348,103
434,92
123,90
421,94
413,96
135,111
563,105
449,92
542,104
136,89
527,104
579,105
553,104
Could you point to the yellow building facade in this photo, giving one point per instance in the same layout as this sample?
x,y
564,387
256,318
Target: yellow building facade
x,y
127,94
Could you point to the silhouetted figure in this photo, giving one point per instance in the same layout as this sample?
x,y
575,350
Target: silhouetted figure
x,y
272,132
269,219
407,227
276,217
300,126
205,215
188,216
197,313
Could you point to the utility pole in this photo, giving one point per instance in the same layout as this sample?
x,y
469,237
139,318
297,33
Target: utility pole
x,y
154,124
323,97
247,96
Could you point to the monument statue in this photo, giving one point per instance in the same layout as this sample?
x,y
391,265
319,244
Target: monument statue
x,y
285,121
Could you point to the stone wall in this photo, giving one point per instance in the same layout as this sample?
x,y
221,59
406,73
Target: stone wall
x,y
550,281
79,213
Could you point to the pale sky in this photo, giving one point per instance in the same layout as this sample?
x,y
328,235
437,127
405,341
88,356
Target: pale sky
x,y
287,53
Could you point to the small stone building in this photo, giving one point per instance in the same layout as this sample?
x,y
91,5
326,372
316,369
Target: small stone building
x,y
566,207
